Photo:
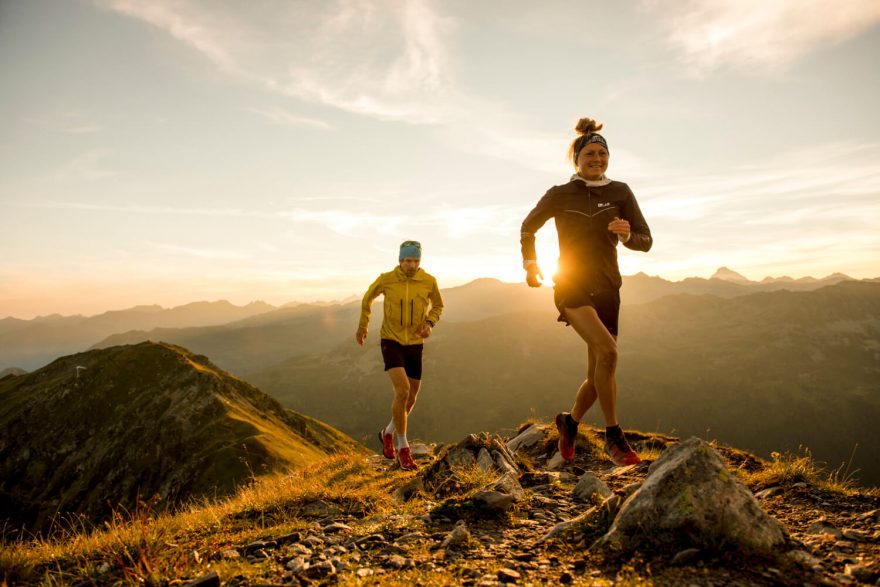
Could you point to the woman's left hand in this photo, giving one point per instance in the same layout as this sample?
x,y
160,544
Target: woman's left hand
x,y
620,228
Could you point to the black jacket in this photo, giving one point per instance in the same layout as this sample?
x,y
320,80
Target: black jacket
x,y
587,249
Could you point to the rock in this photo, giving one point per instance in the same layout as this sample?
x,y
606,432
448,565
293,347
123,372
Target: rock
x,y
855,535
485,462
230,554
258,545
396,561
873,515
457,537
508,484
313,541
589,487
823,526
599,516
321,509
504,463
861,573
212,579
528,437
299,550
506,575
363,572
460,457
685,556
630,489
769,492
419,450
410,489
336,527
320,570
556,461
803,558
566,578
689,498
494,500
297,564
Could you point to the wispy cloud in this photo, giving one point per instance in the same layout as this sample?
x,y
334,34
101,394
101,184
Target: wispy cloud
x,y
758,35
385,59
282,117
88,166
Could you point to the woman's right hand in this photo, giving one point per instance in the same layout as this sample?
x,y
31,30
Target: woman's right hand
x,y
533,272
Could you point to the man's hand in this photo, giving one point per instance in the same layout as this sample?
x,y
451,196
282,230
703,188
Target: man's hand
x,y
533,272
424,330
620,228
360,336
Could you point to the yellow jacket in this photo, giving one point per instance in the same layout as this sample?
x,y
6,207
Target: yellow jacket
x,y
408,303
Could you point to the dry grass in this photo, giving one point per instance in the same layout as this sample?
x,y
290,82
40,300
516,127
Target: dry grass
x,y
145,547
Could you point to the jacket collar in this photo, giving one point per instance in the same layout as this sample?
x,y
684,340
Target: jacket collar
x,y
420,273
591,183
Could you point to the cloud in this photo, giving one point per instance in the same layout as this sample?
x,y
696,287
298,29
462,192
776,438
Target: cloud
x,y
282,117
758,35
384,59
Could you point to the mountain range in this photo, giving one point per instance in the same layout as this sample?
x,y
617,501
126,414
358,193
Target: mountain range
x,y
104,430
769,371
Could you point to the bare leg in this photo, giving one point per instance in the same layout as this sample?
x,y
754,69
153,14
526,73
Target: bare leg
x,y
586,394
414,386
399,411
586,323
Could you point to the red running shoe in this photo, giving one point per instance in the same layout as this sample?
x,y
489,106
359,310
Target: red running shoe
x,y
404,457
620,452
387,441
568,431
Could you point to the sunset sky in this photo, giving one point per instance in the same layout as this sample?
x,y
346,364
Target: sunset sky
x,y
170,151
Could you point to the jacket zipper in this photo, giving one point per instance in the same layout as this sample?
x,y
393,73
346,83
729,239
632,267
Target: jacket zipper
x,y
406,297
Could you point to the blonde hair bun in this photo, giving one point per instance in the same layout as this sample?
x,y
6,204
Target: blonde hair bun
x,y
586,126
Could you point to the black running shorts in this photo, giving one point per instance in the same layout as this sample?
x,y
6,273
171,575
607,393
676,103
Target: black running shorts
x,y
606,303
407,356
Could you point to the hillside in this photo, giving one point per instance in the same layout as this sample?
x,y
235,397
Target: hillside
x,y
493,510
33,343
768,372
100,430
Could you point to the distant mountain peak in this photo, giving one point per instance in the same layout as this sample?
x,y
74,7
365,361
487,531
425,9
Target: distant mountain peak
x,y
727,274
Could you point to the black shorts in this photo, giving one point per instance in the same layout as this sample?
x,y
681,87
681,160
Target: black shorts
x,y
407,356
606,303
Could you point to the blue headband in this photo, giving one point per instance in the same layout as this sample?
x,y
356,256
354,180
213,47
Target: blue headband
x,y
410,249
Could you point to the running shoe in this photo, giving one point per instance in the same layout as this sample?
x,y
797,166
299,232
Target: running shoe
x,y
387,441
568,431
404,457
619,451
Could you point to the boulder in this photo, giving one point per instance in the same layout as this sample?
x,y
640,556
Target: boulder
x,y
690,500
591,488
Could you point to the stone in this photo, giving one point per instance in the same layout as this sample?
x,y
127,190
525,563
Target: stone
x,y
336,527
494,500
504,463
419,450
855,535
528,437
297,564
410,489
363,572
590,488
485,461
769,492
599,516
312,541
321,570
685,556
506,575
212,579
508,484
230,554
300,550
321,509
861,573
803,558
823,526
396,561
460,457
690,499
457,537
555,461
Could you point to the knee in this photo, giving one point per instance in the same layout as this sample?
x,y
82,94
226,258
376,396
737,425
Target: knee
x,y
401,390
607,355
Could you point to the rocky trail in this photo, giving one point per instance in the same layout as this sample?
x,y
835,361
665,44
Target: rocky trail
x,y
494,511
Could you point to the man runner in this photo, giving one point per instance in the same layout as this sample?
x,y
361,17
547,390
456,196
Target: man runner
x,y
412,307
